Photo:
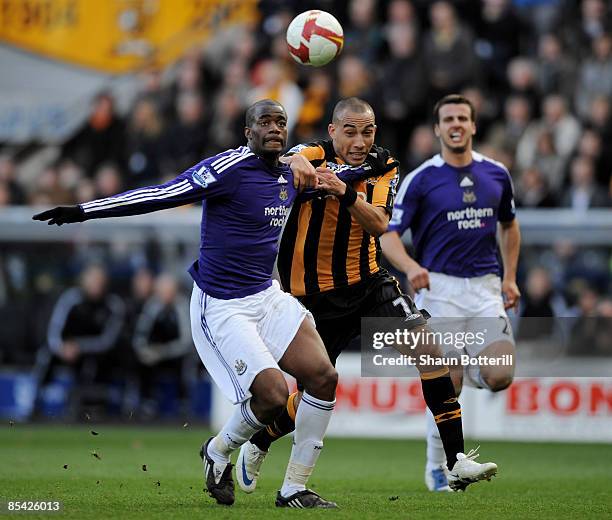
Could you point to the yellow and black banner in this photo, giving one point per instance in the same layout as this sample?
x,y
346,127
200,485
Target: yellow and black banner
x,y
116,36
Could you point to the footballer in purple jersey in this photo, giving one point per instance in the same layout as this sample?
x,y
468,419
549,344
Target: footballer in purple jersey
x,y
454,204
246,199
245,329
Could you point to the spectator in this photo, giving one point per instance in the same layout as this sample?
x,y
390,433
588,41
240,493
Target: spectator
x,y
188,137
317,109
486,109
595,74
583,193
522,81
228,116
556,71
69,175
542,16
85,191
423,145
557,120
591,145
401,88
532,190
152,87
354,79
162,339
505,134
362,35
146,145
539,304
8,178
273,80
583,336
594,22
448,52
401,13
548,162
5,195
48,189
107,181
101,139
84,328
498,35
602,346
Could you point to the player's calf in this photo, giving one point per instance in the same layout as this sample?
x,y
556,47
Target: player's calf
x,y
322,383
270,393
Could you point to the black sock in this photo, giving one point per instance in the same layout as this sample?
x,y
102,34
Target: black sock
x,y
281,426
440,397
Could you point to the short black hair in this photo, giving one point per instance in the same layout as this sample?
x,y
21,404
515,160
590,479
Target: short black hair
x,y
453,99
353,104
250,113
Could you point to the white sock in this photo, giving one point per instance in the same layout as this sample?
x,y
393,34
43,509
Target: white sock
x,y
241,426
436,456
311,423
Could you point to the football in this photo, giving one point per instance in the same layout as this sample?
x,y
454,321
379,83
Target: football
x,y
314,38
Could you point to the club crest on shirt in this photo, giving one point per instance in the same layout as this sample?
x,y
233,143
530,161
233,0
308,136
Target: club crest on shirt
x,y
283,194
466,183
469,197
240,367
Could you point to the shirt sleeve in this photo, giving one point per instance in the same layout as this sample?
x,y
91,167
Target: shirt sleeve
x,y
385,190
202,181
507,210
406,204
312,152
345,172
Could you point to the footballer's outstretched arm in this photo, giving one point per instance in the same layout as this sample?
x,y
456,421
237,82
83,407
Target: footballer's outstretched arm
x,y
197,183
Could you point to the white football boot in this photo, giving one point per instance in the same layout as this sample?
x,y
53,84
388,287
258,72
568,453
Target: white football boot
x,y
248,464
466,471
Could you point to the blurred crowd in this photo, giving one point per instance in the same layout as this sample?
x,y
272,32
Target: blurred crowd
x,y
538,71
127,346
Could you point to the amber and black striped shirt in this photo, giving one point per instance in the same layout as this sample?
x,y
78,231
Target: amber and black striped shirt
x,y
322,246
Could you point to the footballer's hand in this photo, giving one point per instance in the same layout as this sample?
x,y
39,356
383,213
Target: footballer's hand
x,y
511,294
61,215
304,174
328,181
418,277
378,160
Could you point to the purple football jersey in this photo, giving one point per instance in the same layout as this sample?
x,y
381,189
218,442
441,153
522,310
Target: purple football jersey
x,y
453,214
245,205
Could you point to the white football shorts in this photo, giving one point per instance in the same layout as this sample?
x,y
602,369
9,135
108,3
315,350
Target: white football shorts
x,y
475,305
238,338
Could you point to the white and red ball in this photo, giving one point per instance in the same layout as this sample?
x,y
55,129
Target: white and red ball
x,y
314,38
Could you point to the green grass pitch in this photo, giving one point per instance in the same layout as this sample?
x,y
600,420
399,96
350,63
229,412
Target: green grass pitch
x,y
368,478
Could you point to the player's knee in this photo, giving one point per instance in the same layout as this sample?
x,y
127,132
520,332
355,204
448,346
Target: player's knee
x,y
323,382
497,382
328,379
